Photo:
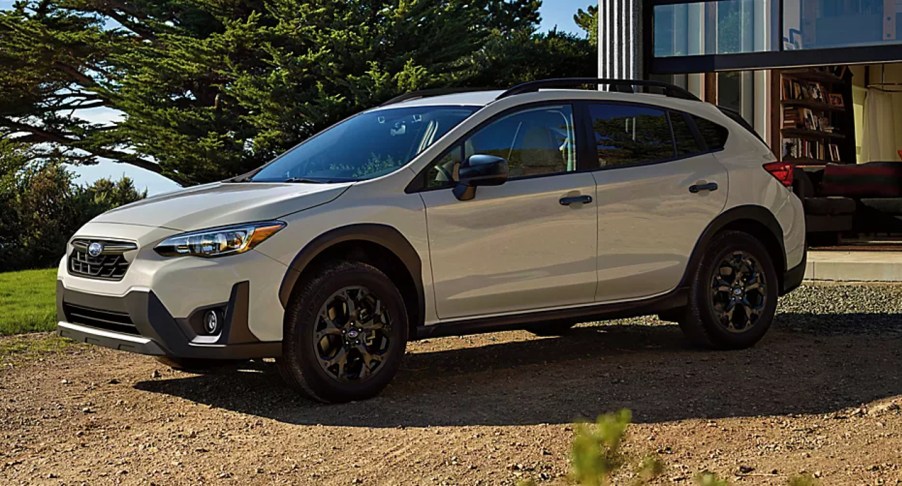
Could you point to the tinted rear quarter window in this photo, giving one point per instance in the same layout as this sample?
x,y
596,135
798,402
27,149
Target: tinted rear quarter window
x,y
627,135
714,135
686,142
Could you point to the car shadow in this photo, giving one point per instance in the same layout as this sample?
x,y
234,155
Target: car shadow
x,y
808,364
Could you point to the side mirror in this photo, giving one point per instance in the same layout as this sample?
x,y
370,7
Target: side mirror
x,y
479,170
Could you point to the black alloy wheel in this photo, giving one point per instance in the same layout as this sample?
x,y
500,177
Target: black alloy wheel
x,y
739,292
352,335
732,295
346,330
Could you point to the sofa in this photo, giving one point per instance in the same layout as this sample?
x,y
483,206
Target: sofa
x,y
862,198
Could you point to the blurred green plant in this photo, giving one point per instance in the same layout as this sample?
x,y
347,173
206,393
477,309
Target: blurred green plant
x,y
595,453
803,480
708,478
650,468
596,456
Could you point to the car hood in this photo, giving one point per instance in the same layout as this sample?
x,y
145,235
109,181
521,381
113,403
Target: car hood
x,y
220,204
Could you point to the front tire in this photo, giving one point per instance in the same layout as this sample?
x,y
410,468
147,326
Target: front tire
x,y
733,296
345,334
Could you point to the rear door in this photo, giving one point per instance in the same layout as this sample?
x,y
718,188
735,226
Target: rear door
x,y
658,187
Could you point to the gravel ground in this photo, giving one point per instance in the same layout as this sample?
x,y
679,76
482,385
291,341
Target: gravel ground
x,y
820,393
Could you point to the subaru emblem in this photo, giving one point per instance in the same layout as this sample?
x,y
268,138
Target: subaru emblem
x,y
95,249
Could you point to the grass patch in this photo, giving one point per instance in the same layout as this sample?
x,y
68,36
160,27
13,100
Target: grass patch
x,y
24,348
27,301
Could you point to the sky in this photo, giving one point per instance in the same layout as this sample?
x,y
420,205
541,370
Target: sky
x,y
555,13
560,13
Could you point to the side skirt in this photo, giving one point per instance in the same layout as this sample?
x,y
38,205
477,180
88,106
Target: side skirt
x,y
656,305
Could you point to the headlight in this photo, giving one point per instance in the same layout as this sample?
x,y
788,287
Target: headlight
x,y
216,242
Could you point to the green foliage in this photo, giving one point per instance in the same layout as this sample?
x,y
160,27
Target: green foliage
x,y
21,349
43,207
210,89
596,454
708,478
27,301
650,468
803,480
587,20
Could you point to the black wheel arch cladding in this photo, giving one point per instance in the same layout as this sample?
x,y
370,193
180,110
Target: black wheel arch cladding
x,y
380,235
746,219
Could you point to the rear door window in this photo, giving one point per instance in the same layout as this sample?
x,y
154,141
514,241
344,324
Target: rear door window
x,y
629,135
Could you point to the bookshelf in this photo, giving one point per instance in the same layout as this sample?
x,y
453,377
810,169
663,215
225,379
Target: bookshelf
x,y
816,123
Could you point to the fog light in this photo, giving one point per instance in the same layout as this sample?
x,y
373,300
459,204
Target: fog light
x,y
212,322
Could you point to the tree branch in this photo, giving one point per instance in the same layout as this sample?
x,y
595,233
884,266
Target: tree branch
x,y
80,78
41,135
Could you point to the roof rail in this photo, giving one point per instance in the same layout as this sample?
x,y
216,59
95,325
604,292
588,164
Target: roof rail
x,y
618,85
426,93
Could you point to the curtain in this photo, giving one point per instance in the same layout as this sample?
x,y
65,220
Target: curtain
x,y
882,126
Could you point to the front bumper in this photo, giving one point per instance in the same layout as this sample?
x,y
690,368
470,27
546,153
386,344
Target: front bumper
x,y
138,322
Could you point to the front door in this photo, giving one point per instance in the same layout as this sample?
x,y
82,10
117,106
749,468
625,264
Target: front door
x,y
528,244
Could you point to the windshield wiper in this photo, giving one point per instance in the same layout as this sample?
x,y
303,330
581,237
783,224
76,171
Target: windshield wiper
x,y
304,180
307,180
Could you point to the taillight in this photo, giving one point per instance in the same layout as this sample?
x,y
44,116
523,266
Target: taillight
x,y
782,171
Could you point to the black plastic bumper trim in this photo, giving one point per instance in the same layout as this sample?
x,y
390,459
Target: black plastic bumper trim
x,y
793,278
673,300
159,334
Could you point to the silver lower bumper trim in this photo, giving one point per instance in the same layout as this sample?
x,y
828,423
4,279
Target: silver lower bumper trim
x,y
108,339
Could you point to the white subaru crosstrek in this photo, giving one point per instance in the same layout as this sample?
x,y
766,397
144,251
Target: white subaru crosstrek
x,y
447,214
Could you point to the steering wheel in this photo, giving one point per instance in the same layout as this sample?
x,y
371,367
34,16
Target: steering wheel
x,y
444,172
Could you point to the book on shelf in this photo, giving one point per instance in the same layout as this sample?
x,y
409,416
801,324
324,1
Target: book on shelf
x,y
794,117
800,148
795,90
790,117
833,151
812,101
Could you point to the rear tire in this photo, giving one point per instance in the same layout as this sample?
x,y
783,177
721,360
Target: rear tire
x,y
345,334
733,296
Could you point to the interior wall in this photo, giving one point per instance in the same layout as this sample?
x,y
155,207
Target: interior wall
x,y
881,112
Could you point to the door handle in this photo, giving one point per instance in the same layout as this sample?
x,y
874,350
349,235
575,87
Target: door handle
x,y
566,201
710,186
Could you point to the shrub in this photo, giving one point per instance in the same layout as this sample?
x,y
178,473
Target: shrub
x,y
42,208
596,455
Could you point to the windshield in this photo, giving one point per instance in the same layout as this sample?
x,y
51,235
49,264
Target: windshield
x,y
365,146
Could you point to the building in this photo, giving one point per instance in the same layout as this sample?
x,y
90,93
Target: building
x,y
820,80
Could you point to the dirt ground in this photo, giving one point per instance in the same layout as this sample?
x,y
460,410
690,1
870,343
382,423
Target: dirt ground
x,y
817,395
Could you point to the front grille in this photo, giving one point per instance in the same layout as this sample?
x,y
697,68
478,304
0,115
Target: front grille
x,y
101,319
110,264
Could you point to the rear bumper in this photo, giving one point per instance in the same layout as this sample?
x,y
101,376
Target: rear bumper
x,y
793,277
139,323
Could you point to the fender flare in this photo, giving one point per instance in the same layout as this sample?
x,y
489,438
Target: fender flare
x,y
379,234
757,214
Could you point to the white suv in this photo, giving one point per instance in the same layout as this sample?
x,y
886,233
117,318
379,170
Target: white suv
x,y
448,214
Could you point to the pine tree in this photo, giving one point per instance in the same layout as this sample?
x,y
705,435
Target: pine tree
x,y
587,20
210,89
